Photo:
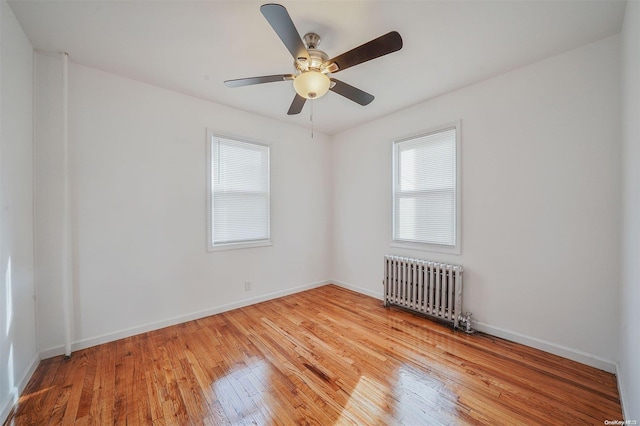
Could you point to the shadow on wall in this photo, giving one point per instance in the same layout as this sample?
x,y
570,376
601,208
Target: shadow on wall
x,y
8,386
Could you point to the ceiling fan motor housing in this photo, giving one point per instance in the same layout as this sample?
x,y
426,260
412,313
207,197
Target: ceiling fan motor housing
x,y
317,58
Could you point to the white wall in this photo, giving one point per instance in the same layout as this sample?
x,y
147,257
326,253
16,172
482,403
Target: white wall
x,y
138,177
629,372
541,190
18,353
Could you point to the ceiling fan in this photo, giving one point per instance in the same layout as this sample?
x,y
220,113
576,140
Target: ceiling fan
x,y
313,67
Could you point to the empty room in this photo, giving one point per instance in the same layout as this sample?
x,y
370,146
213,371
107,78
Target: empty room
x,y
320,212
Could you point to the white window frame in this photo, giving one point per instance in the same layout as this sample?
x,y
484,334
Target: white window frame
x,y
424,246
211,247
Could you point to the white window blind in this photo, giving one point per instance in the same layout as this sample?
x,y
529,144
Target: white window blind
x,y
239,210
425,189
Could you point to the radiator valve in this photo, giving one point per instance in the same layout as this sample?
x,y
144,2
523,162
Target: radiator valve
x,y
466,321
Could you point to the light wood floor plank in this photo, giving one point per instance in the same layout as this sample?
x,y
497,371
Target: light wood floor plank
x,y
321,357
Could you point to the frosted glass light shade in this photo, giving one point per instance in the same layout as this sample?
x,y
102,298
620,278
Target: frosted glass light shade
x,y
311,84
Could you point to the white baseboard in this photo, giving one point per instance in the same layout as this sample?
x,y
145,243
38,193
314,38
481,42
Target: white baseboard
x,y
110,337
361,290
621,392
553,348
11,400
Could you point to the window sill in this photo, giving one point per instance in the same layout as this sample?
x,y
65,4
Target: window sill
x,y
236,246
434,248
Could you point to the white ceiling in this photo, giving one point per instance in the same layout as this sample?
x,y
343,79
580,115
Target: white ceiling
x,y
193,46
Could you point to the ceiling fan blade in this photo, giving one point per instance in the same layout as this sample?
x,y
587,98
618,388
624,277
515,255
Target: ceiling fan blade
x,y
296,105
281,22
375,48
356,95
258,80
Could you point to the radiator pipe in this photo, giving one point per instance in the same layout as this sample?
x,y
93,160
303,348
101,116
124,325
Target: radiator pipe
x,y
466,322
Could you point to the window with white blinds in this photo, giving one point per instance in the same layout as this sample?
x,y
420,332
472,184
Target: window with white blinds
x,y
425,190
239,193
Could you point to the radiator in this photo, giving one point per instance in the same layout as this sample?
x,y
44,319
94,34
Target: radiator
x,y
429,288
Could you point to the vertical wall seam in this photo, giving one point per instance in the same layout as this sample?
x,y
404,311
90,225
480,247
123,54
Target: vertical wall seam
x,y
33,198
67,278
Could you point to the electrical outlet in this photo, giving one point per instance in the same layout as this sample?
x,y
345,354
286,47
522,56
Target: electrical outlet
x,y
247,286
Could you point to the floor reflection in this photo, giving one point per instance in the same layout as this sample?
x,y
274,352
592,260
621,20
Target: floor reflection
x,y
369,400
243,393
422,399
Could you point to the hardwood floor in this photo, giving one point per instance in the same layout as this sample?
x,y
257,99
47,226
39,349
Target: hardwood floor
x,y
324,356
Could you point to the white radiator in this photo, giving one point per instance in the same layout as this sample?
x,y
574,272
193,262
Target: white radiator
x,y
429,288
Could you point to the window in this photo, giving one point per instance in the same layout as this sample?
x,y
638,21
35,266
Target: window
x,y
426,198
239,195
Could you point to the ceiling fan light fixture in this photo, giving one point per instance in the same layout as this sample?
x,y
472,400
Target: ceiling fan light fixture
x,y
311,84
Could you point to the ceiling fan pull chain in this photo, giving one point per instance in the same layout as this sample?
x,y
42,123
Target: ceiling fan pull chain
x,y
311,117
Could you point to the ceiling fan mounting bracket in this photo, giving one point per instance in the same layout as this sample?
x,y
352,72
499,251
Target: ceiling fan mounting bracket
x,y
312,40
